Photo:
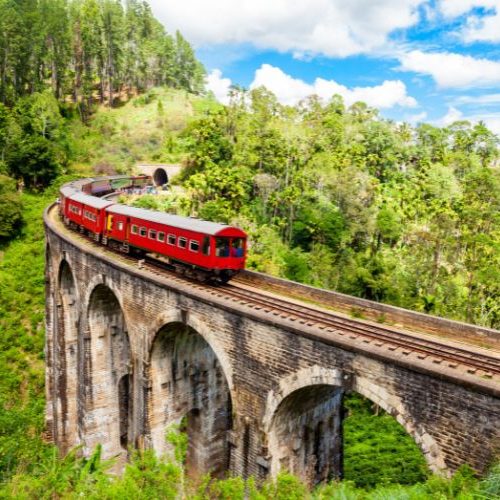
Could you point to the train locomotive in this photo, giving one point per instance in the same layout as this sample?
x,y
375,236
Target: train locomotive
x,y
204,250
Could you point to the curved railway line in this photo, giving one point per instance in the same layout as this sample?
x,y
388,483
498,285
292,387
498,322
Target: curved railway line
x,y
471,360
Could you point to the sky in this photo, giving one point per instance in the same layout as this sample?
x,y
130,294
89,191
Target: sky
x,y
434,61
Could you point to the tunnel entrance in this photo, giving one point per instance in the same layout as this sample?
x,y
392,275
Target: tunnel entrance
x,y
108,379
188,387
160,177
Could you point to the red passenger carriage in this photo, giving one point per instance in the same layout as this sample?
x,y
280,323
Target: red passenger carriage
x,y
199,248
185,242
87,212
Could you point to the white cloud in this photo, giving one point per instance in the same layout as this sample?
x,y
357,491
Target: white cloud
x,y
491,120
453,115
291,90
329,27
484,28
417,118
485,99
452,70
455,8
218,85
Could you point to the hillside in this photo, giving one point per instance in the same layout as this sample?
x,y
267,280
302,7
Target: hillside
x,y
322,193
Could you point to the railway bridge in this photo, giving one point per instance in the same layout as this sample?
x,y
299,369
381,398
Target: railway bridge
x,y
256,370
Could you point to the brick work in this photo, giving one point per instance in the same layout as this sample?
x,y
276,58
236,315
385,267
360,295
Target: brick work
x,y
258,392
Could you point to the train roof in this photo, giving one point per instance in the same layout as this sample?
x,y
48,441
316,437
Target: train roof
x,y
188,223
91,201
68,190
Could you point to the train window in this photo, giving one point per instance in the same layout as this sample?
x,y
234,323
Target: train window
x,y
182,242
152,234
206,246
161,236
143,231
194,245
74,209
222,247
120,226
237,247
135,229
171,239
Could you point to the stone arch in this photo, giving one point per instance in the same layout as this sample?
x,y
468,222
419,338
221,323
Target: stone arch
x,y
307,399
107,379
303,423
66,356
187,385
178,316
160,177
395,407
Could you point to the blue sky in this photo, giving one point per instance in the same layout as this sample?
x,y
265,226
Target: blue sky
x,y
435,60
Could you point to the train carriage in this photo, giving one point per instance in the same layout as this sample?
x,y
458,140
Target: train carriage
x,y
87,212
187,243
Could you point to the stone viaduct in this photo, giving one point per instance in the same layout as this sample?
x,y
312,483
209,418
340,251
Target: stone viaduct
x,y
130,352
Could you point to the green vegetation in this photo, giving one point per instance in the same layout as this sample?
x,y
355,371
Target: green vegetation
x,y
22,308
340,198
332,196
11,214
377,450
147,477
90,50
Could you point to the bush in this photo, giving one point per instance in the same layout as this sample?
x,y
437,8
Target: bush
x,y
11,215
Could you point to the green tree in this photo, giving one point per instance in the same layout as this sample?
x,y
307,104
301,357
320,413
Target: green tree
x,y
11,215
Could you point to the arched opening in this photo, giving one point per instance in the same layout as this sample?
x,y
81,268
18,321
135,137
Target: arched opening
x,y
306,434
321,432
377,449
188,387
66,361
160,177
108,385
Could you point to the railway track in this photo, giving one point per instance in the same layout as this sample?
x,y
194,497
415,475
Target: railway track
x,y
380,336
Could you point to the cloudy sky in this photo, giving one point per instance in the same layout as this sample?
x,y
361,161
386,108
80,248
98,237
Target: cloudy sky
x,y
434,60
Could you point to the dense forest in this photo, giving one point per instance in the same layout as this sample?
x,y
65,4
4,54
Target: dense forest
x,y
340,198
58,59
85,50
331,195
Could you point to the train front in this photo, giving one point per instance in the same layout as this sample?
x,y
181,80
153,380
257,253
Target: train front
x,y
230,248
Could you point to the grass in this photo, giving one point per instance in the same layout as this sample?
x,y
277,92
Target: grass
x,y
22,308
145,129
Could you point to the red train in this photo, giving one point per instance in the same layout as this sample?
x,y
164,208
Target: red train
x,y
198,248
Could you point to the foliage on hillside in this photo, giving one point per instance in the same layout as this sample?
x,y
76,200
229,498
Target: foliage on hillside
x,y
340,198
22,308
146,477
332,196
88,50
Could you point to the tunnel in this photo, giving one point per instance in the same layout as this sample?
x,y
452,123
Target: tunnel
x,y
160,177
